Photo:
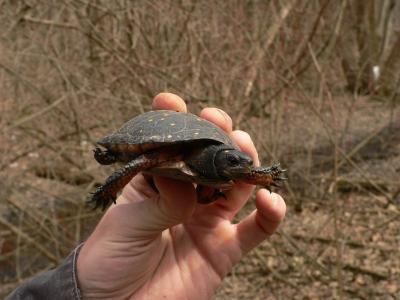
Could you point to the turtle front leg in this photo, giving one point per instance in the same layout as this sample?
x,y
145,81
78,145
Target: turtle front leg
x,y
265,176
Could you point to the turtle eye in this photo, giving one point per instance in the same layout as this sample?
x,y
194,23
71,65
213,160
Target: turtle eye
x,y
233,160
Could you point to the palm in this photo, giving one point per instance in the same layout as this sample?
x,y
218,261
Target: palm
x,y
193,258
186,268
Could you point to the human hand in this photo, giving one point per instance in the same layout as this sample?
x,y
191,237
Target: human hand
x,y
163,244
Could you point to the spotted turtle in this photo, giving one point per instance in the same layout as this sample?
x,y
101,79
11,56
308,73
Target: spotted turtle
x,y
181,146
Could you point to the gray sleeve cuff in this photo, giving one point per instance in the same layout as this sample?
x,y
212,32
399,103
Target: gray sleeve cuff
x,y
60,283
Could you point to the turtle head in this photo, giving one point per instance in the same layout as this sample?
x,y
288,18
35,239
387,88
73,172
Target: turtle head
x,y
232,163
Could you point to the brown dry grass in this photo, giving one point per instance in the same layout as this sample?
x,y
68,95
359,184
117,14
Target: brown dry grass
x,y
73,70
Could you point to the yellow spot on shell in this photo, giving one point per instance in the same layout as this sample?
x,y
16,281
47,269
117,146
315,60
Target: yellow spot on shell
x,y
150,120
172,124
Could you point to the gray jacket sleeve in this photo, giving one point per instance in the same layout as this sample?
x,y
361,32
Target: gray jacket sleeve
x,y
60,283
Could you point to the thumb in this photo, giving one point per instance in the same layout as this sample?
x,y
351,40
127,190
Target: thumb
x,y
148,218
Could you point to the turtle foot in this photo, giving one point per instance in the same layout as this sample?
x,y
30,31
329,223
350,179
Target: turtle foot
x,y
206,195
101,198
266,176
277,175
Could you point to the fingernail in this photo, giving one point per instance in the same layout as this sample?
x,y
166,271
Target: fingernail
x,y
274,199
224,114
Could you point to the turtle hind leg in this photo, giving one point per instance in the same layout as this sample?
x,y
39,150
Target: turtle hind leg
x,y
206,195
104,157
104,195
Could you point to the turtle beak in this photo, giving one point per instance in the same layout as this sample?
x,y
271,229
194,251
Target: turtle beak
x,y
249,169
245,166
246,169
240,170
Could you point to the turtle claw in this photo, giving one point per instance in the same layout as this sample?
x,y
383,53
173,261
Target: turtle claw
x,y
276,184
206,195
100,199
278,175
278,181
219,194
